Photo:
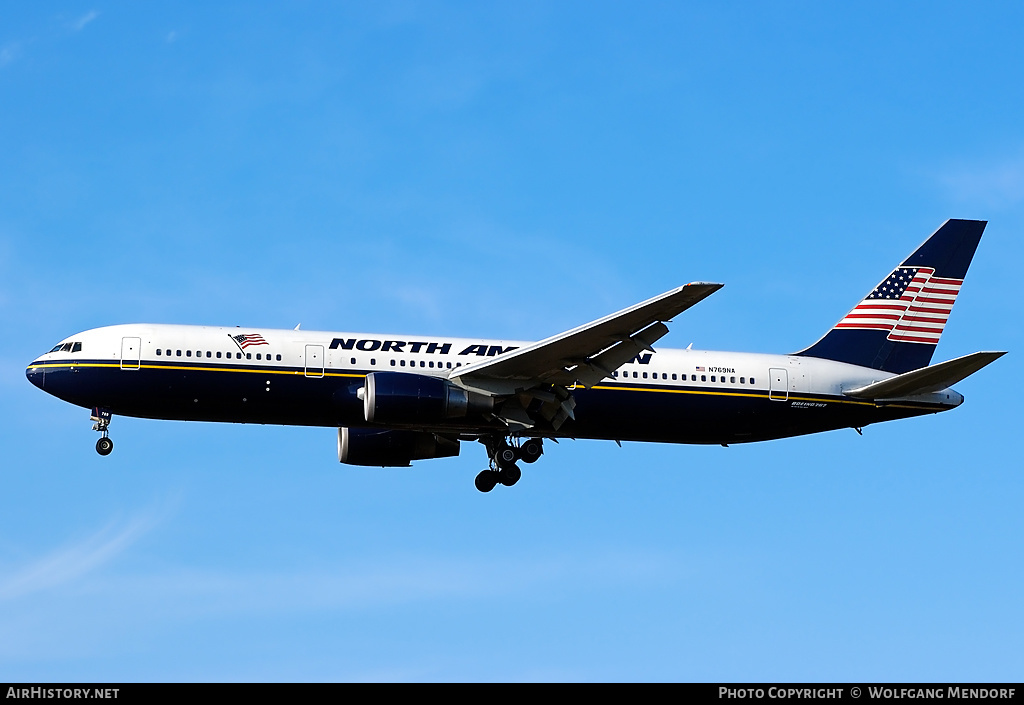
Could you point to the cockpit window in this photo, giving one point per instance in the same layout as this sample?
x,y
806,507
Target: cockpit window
x,y
76,347
57,347
66,347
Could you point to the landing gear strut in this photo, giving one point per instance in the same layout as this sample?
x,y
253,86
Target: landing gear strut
x,y
102,418
503,456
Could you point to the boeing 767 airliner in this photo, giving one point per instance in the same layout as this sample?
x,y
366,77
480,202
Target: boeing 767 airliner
x,y
398,398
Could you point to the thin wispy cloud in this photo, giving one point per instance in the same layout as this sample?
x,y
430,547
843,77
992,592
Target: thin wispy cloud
x,y
9,52
79,24
188,592
75,561
403,581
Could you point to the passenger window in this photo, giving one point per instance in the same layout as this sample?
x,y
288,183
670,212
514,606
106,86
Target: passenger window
x,y
742,381
218,355
712,378
248,356
751,380
353,361
402,363
635,375
188,353
259,356
392,363
645,375
373,361
693,378
158,351
422,364
431,363
673,375
449,365
279,358
209,354
177,353
732,380
703,378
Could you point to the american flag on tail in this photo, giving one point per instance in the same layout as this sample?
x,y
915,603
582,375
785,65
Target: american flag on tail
x,y
911,304
244,340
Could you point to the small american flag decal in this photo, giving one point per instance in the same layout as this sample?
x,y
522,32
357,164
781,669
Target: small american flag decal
x,y
244,340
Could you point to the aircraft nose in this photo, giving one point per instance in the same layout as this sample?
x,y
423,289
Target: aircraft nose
x,y
36,375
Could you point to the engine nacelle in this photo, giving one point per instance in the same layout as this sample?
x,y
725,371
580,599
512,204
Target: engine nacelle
x,y
392,449
400,398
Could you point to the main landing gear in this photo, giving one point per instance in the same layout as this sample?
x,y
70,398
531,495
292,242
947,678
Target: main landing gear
x,y
102,418
504,455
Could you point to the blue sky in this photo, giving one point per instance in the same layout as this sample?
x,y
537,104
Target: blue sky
x,y
506,170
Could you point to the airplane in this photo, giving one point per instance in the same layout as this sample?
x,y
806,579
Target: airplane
x,y
399,398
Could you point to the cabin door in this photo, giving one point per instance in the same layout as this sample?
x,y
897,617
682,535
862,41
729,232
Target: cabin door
x,y
131,353
778,384
314,360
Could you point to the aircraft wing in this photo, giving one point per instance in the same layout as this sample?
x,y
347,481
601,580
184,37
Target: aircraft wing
x,y
589,353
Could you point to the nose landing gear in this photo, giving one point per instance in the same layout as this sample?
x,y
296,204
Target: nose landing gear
x,y
503,456
102,418
104,446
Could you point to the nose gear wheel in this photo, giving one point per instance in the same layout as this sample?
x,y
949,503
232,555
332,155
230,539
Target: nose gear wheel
x,y
102,418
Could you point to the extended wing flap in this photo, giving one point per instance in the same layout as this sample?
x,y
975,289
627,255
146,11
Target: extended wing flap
x,y
588,349
927,379
596,368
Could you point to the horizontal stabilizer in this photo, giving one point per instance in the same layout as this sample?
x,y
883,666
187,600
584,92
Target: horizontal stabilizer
x,y
926,379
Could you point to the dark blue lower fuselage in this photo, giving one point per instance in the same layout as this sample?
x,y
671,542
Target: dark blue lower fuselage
x,y
614,410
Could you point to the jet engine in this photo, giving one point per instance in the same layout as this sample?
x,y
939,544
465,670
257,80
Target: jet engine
x,y
400,398
392,449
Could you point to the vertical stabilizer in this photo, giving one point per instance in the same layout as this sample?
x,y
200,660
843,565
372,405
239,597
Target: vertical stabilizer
x,y
897,325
